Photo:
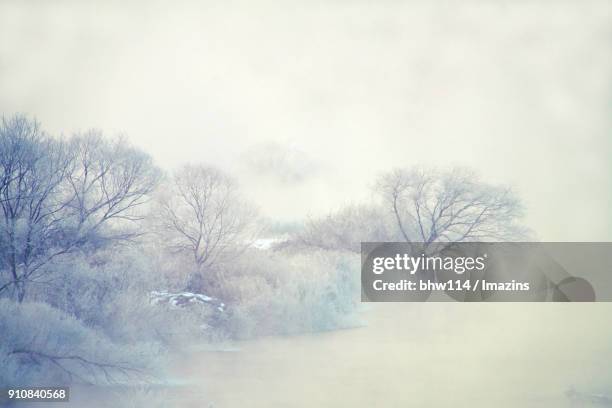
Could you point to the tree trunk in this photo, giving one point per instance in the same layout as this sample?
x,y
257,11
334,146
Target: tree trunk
x,y
21,292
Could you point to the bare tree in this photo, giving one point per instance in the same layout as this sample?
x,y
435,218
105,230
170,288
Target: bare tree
x,y
56,196
449,206
32,167
107,183
202,214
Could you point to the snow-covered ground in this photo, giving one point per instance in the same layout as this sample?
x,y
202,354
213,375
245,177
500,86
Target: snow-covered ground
x,y
267,243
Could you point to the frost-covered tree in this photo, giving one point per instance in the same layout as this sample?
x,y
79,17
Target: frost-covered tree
x,y
449,206
107,184
345,229
420,205
202,214
57,196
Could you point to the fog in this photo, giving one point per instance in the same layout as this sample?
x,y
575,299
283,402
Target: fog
x,y
343,90
305,103
434,355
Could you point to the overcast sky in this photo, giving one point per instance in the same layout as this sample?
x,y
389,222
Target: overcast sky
x,y
307,101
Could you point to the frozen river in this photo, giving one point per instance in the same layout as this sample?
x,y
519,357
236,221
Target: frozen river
x,y
418,355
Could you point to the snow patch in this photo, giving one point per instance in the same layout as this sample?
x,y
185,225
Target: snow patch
x,y
184,299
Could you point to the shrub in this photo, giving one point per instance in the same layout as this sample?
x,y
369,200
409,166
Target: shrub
x,y
109,292
42,345
279,293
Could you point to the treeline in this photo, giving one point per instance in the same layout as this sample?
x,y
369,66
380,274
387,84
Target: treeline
x,y
90,227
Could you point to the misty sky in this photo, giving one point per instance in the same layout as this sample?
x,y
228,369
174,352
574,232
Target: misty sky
x,y
306,102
